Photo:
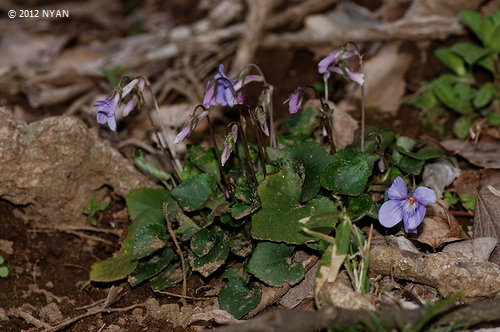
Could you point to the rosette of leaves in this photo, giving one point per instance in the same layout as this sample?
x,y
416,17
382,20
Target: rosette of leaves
x,y
460,91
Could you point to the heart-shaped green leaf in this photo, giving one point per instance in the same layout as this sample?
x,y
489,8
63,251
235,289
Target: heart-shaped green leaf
x,y
149,239
280,216
272,263
215,258
361,206
238,299
151,267
202,242
167,278
205,160
302,123
195,192
308,160
349,172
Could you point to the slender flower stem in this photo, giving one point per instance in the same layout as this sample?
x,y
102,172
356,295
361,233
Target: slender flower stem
x,y
325,110
259,141
166,152
272,132
224,174
247,152
325,82
179,251
362,118
171,153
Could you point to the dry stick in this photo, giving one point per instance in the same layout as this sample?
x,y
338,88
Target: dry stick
x,y
304,321
91,313
224,174
184,296
179,251
254,25
28,318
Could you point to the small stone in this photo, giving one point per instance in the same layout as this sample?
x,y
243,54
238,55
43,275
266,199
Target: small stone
x,y
3,315
51,313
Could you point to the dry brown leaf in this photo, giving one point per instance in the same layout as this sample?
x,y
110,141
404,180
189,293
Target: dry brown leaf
x,y
217,315
301,291
19,49
439,226
467,182
486,153
487,214
344,125
385,84
479,249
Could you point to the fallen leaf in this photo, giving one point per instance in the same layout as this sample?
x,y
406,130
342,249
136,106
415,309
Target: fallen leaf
x,y
344,125
439,226
486,153
479,249
487,214
440,174
467,182
402,243
301,291
219,316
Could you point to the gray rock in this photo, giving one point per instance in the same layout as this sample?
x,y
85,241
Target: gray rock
x,y
54,166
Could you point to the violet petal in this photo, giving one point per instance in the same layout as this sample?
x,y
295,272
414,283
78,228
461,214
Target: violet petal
x,y
390,213
424,195
398,189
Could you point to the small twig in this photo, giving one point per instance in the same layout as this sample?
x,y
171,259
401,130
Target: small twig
x,y
184,296
28,318
64,228
91,313
462,213
179,251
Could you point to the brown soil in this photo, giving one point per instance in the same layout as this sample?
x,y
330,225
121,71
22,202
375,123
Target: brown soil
x,y
54,267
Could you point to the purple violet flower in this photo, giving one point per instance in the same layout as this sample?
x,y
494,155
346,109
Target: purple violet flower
x,y
106,110
224,91
129,106
189,126
240,97
401,205
230,140
328,61
335,62
295,100
208,99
